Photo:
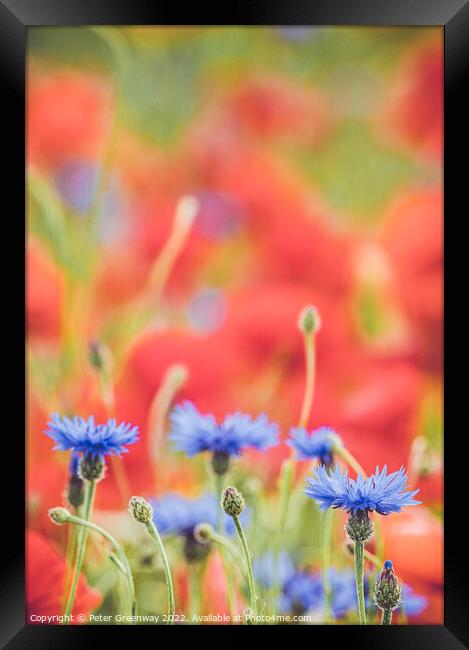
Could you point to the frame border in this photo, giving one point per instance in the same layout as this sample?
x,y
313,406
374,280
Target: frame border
x,y
15,17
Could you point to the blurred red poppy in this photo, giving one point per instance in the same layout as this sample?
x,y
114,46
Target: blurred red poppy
x,y
277,107
68,114
414,114
412,233
45,578
44,294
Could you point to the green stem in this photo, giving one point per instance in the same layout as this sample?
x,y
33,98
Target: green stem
x,y
90,489
386,617
153,532
232,550
123,562
285,488
358,567
326,561
219,489
344,453
310,359
247,555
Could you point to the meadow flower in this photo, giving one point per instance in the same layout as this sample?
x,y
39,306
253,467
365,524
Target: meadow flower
x,y
381,492
302,590
96,440
319,444
194,433
412,604
174,514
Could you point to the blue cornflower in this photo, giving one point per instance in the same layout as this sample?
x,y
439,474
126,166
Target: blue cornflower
x,y
319,444
412,603
193,433
94,440
382,492
301,590
344,592
175,514
264,568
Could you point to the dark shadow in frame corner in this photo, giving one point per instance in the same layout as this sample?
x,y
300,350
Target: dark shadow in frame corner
x,y
15,17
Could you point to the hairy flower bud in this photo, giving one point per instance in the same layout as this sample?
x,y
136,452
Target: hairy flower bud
x,y
359,527
75,491
59,515
220,462
309,321
232,502
141,510
91,467
388,593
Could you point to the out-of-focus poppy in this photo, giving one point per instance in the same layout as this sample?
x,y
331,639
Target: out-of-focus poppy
x,y
414,114
412,233
68,114
45,583
276,107
414,541
44,294
46,488
214,589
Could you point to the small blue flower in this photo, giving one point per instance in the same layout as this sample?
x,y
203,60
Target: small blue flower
x,y
382,492
85,436
412,603
319,444
177,515
264,569
344,592
193,433
303,592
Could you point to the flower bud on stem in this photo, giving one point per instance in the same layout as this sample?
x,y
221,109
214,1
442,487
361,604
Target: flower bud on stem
x,y
62,516
233,504
143,513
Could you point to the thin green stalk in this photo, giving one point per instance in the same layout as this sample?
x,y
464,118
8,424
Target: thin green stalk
x,y
122,563
90,489
386,617
232,550
358,567
153,532
326,561
247,555
219,480
285,489
310,358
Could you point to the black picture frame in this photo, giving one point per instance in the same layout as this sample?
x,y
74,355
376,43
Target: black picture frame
x,y
15,17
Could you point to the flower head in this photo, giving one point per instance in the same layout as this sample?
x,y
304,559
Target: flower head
x,y
381,492
302,590
319,444
92,439
175,514
388,593
193,433
141,510
232,502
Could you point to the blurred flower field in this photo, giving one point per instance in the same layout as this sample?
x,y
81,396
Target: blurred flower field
x,y
234,277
